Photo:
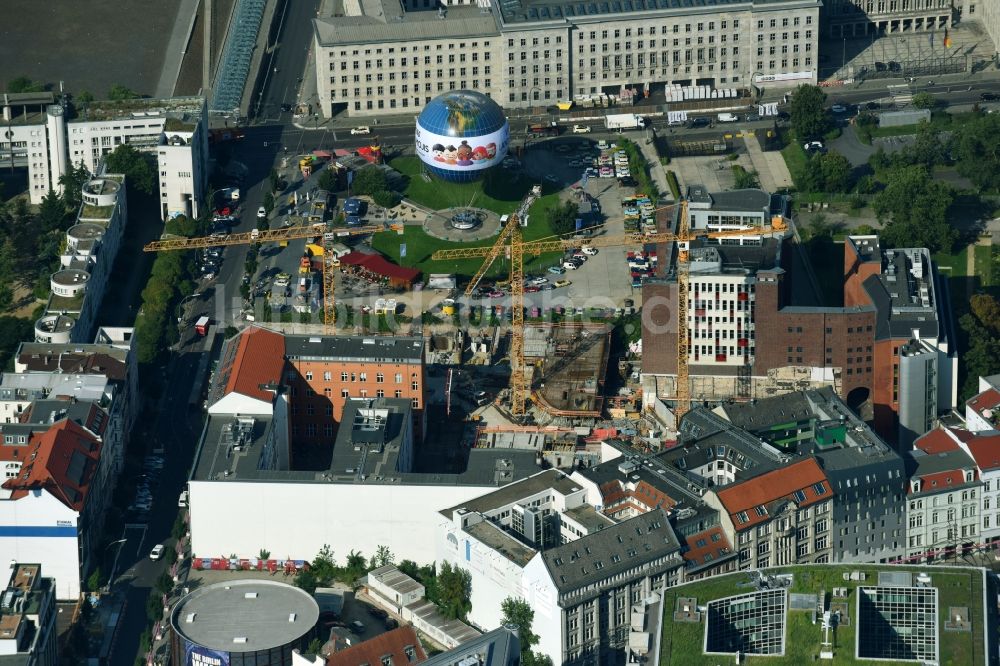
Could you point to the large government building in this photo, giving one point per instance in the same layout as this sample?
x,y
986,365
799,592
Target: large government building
x,y
385,57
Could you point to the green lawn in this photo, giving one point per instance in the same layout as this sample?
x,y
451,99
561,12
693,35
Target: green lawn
x,y
953,265
795,159
500,192
984,265
681,642
940,120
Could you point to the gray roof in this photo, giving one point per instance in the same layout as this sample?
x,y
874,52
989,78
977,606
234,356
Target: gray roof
x,y
590,518
742,259
549,479
920,463
601,556
370,437
750,199
389,349
395,579
214,615
384,22
523,11
501,541
500,647
905,295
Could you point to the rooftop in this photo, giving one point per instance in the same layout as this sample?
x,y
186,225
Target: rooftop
x,y
682,641
384,20
753,501
714,257
550,479
142,108
940,472
599,557
392,577
244,615
904,294
500,647
401,645
61,460
747,200
386,349
524,11
370,438
501,541
108,360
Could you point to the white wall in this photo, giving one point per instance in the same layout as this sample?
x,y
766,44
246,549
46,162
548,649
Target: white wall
x,y
294,520
540,592
237,403
56,552
494,577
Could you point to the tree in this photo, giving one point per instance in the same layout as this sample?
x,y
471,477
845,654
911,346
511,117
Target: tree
x,y
13,330
22,84
120,93
836,171
135,165
72,183
454,592
976,147
95,580
327,180
355,565
519,614
84,97
383,557
918,207
164,583
268,203
369,179
52,211
386,198
306,580
315,645
562,217
924,100
809,115
987,311
745,179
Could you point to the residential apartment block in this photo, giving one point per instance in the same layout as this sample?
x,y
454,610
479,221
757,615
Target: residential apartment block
x,y
784,516
943,499
581,572
889,351
28,618
86,262
383,57
868,478
40,137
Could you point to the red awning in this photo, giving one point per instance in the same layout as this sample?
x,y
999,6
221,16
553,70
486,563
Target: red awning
x,y
379,265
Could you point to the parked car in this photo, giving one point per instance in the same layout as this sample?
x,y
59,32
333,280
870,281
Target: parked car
x,y
357,626
591,251
581,129
695,123
810,146
496,293
752,117
261,213
570,266
562,283
838,108
532,289
557,270
538,281
157,552
377,612
361,129
989,97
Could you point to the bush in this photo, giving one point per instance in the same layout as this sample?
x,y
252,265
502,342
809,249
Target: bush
x,y
675,188
386,198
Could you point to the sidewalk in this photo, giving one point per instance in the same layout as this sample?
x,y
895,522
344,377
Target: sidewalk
x,y
656,170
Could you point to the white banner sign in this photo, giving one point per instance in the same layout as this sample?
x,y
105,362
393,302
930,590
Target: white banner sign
x,y
789,76
469,153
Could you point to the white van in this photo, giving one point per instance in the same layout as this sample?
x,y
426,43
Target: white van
x,y
728,117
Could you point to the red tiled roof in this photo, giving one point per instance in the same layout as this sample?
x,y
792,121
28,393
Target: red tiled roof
x,y
940,441
988,399
259,359
772,486
644,497
942,480
985,450
61,460
392,643
379,265
717,549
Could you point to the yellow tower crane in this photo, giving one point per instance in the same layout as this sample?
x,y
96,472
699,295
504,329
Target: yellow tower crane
x,y
316,231
510,241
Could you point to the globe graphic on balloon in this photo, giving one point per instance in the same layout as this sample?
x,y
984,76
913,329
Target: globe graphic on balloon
x,y
461,134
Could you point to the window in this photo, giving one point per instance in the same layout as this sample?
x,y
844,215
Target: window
x,y
819,488
379,378
343,376
327,376
309,376
399,378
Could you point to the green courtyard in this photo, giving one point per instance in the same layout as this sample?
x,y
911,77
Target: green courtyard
x,y
682,642
499,191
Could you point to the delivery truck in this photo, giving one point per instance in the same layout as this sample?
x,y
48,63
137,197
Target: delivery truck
x,y
201,326
544,129
624,121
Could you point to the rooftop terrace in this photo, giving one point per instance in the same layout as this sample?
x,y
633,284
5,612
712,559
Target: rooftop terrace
x,y
682,640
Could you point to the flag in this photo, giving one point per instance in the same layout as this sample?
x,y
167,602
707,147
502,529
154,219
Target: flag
x,y
947,40
350,177
402,250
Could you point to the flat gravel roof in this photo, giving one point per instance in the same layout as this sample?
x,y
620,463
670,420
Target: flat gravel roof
x,y
245,615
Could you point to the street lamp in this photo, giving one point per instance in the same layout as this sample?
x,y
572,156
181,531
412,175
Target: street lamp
x,y
114,566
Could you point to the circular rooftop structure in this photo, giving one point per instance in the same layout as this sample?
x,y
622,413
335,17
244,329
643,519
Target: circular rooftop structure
x,y
69,282
244,616
54,328
101,192
86,231
461,133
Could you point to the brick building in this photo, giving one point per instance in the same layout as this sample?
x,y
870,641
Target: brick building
x,y
887,351
318,375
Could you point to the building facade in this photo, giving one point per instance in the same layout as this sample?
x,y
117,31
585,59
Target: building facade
x,y
943,498
175,130
780,517
384,58
860,18
28,618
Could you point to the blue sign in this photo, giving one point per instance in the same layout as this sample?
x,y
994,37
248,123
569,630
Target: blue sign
x,y
196,655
